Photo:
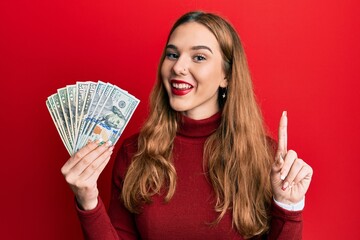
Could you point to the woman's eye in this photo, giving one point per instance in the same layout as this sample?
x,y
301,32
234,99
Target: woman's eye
x,y
172,56
199,58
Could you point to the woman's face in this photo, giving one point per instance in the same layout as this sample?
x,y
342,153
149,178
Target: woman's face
x,y
192,71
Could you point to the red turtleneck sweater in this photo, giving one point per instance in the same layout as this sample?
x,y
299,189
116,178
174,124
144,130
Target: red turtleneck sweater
x,y
189,212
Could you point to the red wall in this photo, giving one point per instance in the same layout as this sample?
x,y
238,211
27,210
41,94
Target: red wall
x,y
304,58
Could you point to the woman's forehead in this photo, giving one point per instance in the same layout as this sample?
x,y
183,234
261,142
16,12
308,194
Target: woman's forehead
x,y
192,34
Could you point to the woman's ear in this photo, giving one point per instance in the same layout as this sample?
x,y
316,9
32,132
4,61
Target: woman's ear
x,y
224,83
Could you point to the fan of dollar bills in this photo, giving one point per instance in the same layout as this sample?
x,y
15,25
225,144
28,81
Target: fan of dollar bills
x,y
89,111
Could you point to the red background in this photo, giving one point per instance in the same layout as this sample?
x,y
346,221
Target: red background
x,y
303,55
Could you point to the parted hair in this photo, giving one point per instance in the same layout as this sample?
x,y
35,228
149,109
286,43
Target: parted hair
x,y
237,156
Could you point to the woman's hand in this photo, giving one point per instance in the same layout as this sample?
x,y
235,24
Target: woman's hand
x,y
290,175
82,171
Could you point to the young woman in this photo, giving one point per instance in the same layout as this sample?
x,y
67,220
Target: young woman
x,y
202,166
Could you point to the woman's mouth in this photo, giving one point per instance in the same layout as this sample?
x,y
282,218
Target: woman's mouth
x,y
180,88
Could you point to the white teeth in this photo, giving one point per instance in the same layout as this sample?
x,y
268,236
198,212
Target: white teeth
x,y
181,85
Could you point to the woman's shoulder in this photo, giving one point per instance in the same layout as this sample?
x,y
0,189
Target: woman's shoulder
x,y
131,141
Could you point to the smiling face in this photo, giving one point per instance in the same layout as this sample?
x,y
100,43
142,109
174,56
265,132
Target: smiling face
x,y
192,71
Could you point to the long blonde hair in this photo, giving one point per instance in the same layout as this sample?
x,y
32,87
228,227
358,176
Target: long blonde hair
x,y
237,156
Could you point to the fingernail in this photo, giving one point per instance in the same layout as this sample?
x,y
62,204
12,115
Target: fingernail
x,y
284,113
282,177
108,143
286,184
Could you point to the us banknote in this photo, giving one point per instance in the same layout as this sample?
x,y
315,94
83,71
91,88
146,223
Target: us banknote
x,y
111,117
89,111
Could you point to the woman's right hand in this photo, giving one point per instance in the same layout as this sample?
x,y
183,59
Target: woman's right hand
x,y
83,169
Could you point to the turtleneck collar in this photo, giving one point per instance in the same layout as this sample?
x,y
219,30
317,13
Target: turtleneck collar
x,y
199,128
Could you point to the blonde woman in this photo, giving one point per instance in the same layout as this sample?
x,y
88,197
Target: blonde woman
x,y
202,167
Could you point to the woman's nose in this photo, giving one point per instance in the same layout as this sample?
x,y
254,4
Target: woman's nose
x,y
181,66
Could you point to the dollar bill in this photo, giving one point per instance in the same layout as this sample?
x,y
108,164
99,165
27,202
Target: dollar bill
x,y
56,125
113,117
89,111
58,121
85,101
94,113
71,93
60,114
96,95
81,91
64,104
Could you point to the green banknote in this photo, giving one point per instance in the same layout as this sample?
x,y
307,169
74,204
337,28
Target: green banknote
x,y
112,117
90,111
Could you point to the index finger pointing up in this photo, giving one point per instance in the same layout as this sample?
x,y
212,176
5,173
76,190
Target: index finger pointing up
x,y
282,145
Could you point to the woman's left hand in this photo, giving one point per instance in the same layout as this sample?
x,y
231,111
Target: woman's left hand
x,y
290,175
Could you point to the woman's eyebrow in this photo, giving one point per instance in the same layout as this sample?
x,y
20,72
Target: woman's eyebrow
x,y
202,47
171,46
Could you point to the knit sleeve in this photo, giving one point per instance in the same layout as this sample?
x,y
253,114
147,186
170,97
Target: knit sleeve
x,y
285,225
95,223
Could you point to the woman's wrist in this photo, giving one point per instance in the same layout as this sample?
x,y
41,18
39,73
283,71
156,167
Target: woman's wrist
x,y
291,207
88,204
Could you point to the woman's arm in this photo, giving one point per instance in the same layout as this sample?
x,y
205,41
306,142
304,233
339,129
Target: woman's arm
x,y
117,222
81,172
290,180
